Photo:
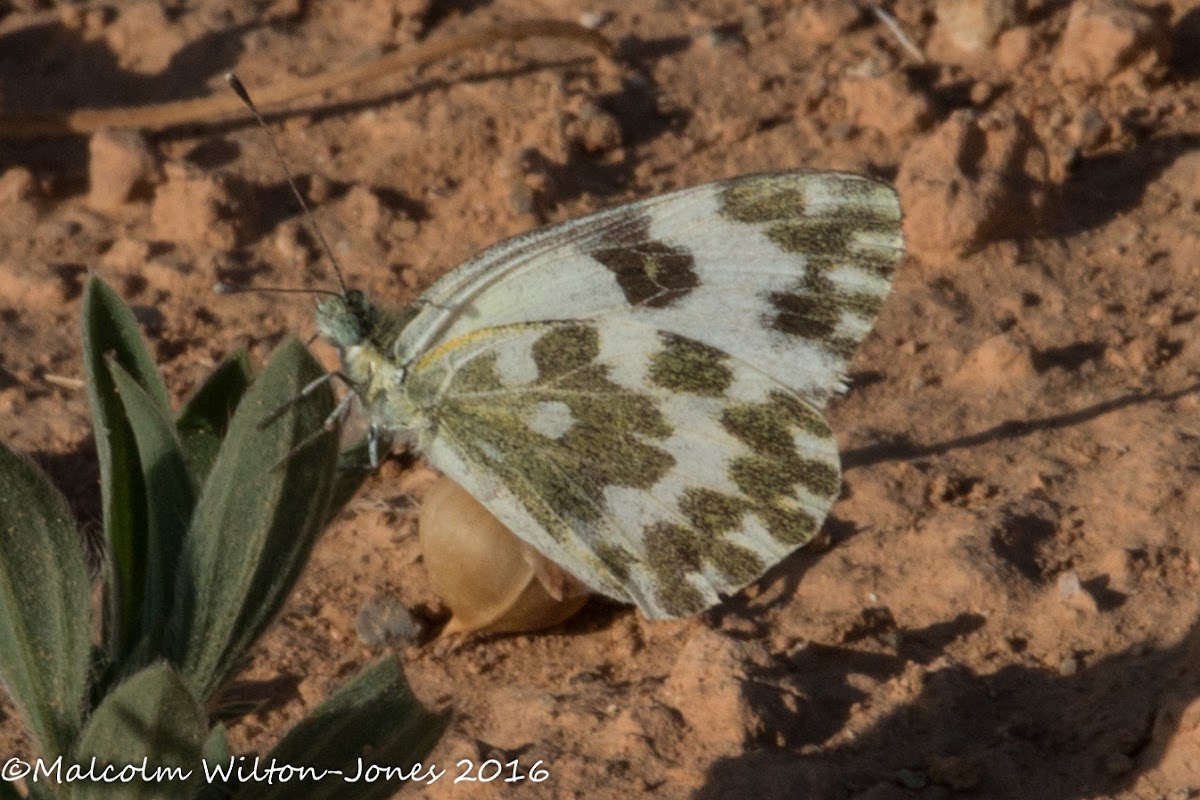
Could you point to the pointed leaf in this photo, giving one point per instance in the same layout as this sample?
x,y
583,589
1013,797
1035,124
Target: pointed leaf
x,y
154,717
109,330
170,498
216,755
204,419
256,520
42,790
374,718
44,606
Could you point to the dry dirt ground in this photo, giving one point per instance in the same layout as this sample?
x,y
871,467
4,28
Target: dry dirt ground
x,y
1006,600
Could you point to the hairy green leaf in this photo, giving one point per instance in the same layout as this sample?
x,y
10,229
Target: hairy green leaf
x,y
170,497
257,518
204,419
44,606
42,790
153,718
373,719
110,331
216,754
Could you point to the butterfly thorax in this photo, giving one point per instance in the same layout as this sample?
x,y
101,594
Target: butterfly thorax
x,y
364,335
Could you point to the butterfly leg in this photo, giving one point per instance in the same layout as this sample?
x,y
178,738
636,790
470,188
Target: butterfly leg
x,y
305,392
337,415
374,435
383,439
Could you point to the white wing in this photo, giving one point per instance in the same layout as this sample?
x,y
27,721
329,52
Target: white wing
x,y
785,271
657,469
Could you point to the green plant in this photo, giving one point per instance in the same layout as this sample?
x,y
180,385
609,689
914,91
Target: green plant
x,y
209,517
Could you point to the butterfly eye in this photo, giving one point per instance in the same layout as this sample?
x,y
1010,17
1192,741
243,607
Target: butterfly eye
x,y
490,580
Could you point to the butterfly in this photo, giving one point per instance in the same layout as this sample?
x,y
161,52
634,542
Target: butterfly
x,y
637,393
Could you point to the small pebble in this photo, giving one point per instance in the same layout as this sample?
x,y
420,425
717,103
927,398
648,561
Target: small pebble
x,y
1072,594
121,163
1089,130
981,93
1104,37
824,21
912,779
974,25
306,609
20,197
594,20
383,621
596,130
717,37
1068,585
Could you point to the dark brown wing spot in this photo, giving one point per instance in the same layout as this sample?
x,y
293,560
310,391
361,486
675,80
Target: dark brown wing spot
x,y
649,272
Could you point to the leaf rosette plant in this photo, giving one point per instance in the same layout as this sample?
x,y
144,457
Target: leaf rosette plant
x,y
209,517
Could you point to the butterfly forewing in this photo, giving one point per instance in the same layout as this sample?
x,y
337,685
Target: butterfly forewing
x,y
785,271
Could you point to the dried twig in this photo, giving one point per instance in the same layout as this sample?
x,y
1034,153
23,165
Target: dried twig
x,y
224,107
892,25
63,382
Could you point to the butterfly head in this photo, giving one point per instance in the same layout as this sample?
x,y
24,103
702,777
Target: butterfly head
x,y
345,320
351,322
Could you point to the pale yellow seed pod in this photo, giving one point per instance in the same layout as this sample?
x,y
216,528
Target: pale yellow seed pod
x,y
491,580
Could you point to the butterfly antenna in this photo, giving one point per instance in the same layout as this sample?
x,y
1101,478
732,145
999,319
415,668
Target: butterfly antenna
x,y
220,287
240,89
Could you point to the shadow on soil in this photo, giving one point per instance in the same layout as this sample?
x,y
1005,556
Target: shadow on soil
x,y
1023,731
76,73
50,68
902,449
1103,187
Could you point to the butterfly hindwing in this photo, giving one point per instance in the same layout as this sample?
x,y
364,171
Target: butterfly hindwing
x,y
657,469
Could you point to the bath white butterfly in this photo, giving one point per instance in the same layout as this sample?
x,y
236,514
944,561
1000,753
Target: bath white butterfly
x,y
638,393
